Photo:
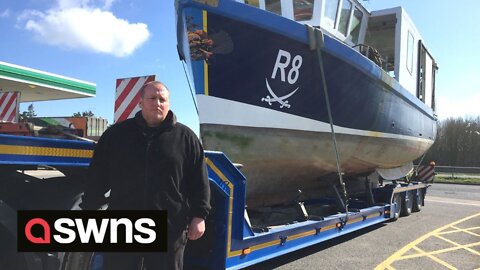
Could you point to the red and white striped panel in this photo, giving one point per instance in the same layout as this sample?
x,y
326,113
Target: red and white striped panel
x,y
426,173
9,106
127,96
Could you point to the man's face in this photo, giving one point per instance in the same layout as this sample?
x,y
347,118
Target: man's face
x,y
155,104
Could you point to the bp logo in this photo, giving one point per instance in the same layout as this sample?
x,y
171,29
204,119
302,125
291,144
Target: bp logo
x,y
283,64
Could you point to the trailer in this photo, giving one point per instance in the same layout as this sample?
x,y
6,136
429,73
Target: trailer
x,y
232,241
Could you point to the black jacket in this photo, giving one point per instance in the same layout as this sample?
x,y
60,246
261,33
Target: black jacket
x,y
150,168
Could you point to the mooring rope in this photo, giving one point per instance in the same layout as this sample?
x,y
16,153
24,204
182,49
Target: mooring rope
x,y
316,42
182,59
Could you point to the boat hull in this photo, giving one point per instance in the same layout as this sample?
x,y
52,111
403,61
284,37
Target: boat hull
x,y
279,162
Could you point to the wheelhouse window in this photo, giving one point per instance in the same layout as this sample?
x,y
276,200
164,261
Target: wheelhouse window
x,y
344,17
331,7
303,9
273,6
410,40
355,25
252,3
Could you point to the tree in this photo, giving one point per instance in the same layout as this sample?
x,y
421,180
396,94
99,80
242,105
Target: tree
x,y
83,114
29,113
457,143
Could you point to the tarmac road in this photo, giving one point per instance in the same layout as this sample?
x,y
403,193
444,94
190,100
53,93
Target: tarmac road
x,y
444,235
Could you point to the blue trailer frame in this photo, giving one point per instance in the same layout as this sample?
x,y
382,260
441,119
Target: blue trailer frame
x,y
36,151
230,242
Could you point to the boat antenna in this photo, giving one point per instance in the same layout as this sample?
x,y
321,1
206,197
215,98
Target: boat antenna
x,y
316,42
182,58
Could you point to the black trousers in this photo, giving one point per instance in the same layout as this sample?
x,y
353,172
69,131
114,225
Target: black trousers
x,y
170,260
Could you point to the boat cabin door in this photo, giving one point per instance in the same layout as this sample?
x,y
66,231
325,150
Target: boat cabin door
x,y
427,68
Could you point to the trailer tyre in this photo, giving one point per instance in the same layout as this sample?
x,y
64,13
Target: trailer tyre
x,y
83,261
77,261
418,200
407,203
397,198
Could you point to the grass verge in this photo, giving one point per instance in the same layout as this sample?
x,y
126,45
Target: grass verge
x,y
457,180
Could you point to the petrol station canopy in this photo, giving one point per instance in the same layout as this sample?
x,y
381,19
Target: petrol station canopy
x,y
36,85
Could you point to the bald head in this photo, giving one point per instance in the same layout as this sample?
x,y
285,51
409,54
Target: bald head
x,y
154,83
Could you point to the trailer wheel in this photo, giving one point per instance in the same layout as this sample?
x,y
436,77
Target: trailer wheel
x,y
397,198
418,200
78,261
407,203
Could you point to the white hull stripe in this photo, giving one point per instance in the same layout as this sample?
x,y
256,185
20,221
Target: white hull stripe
x,y
219,111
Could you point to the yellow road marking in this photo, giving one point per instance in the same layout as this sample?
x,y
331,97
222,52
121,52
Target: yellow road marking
x,y
468,230
435,258
440,251
399,255
457,244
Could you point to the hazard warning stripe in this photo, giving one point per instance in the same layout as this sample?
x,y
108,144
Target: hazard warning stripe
x,y
426,176
426,173
132,107
118,83
425,169
128,96
125,90
2,98
9,106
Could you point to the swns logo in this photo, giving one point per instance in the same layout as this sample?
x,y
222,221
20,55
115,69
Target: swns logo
x,y
84,231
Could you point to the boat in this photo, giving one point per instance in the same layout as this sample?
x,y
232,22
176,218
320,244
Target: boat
x,y
296,90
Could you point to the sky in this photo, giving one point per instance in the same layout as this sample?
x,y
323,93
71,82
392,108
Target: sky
x,y
101,40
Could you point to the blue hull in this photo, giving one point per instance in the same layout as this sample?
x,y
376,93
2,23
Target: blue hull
x,y
362,97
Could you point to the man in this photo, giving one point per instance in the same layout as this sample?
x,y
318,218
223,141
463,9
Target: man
x,y
152,162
